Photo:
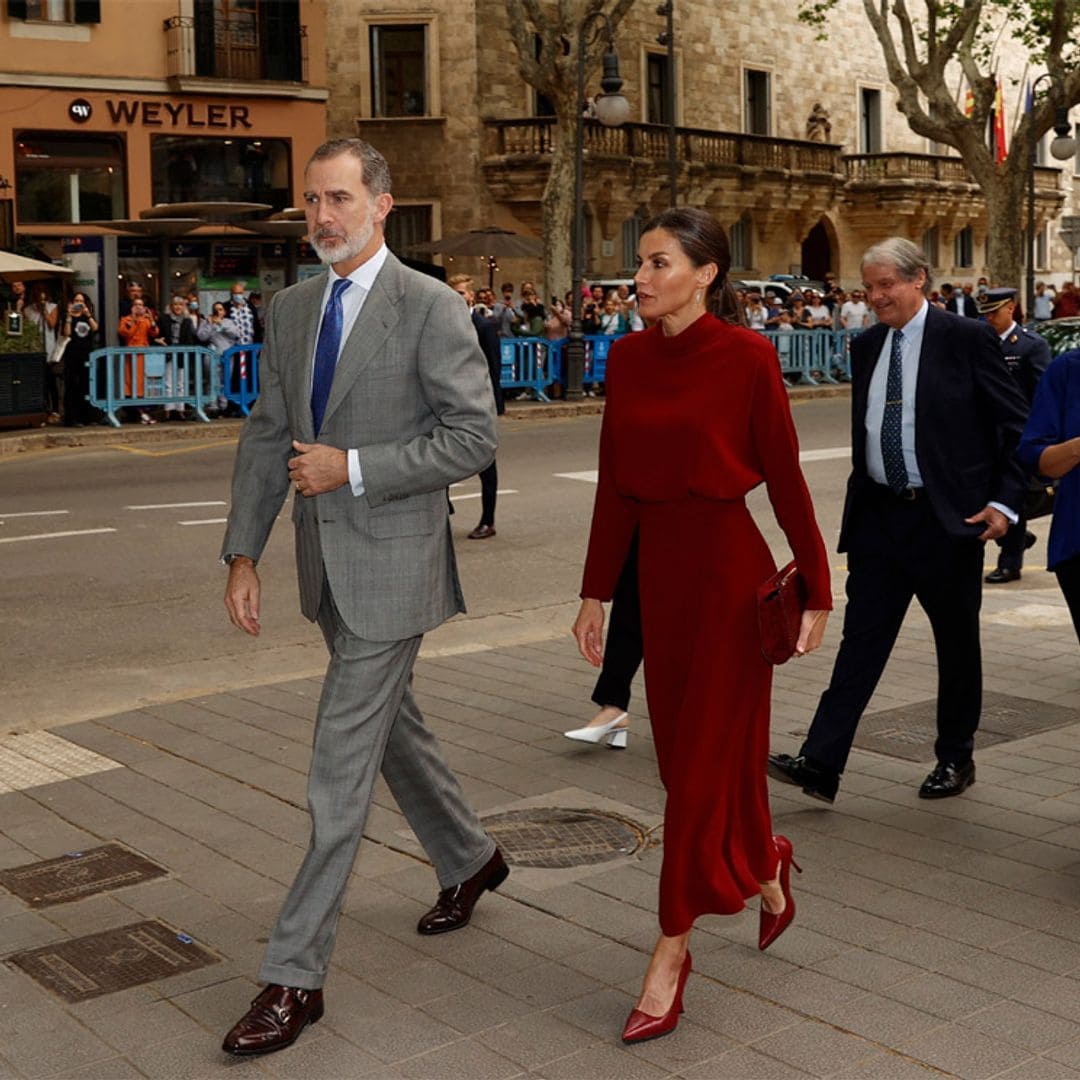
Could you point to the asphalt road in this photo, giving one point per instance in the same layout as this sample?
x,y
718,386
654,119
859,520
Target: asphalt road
x,y
126,607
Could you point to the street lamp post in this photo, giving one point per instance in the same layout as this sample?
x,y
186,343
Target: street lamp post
x,y
612,110
1063,147
667,37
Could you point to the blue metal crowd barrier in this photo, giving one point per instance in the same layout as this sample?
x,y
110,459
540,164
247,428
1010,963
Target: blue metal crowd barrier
x,y
813,356
152,376
525,365
238,375
551,368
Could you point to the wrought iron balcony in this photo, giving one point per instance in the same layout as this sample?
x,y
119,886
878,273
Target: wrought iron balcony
x,y
715,150
240,49
871,172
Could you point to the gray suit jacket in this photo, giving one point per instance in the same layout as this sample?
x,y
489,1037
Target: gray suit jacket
x,y
411,392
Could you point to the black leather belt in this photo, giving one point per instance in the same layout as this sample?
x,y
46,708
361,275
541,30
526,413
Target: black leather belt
x,y
909,494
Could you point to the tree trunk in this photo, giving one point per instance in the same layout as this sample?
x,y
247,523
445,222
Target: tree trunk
x,y
1006,226
558,204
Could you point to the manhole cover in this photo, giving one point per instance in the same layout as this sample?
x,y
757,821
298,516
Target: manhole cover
x,y
554,838
909,731
79,874
98,964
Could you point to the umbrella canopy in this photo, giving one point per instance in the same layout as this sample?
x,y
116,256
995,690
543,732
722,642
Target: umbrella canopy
x,y
279,227
159,227
19,268
487,243
209,212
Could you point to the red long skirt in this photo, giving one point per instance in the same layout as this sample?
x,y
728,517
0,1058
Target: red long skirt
x,y
708,688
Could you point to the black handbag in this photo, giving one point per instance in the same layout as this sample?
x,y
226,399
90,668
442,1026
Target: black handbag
x,y
781,600
1039,497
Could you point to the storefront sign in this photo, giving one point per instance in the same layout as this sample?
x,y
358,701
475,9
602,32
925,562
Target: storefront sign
x,y
132,111
235,260
80,110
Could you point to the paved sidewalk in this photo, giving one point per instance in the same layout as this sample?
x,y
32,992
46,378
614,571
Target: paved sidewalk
x,y
932,939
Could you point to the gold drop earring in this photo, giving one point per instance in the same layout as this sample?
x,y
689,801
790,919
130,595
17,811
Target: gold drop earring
x,y
697,297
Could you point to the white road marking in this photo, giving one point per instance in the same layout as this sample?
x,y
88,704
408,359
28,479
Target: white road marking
x,y
205,521
175,506
477,494
53,536
33,513
829,453
40,757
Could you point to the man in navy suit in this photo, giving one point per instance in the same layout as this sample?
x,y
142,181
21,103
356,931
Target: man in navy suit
x,y
1027,356
936,416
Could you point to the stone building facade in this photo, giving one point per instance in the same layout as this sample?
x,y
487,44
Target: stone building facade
x,y
435,84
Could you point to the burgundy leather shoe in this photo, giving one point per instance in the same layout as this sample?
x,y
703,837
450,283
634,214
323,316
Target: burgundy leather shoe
x,y
274,1021
482,532
455,905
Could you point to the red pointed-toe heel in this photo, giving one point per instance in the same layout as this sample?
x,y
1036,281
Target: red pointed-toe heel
x,y
772,926
641,1026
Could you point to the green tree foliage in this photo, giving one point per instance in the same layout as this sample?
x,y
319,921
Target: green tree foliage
x,y
551,69
929,45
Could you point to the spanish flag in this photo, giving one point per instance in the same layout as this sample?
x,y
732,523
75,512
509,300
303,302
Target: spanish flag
x,y
969,102
1001,150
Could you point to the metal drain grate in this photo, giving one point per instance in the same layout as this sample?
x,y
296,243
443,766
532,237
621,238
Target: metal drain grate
x,y
98,964
79,874
554,838
909,731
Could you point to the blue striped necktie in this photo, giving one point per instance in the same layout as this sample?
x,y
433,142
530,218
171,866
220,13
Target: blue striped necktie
x,y
892,447
326,352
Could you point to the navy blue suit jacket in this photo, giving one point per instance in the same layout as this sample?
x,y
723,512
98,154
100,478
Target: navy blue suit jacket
x,y
969,413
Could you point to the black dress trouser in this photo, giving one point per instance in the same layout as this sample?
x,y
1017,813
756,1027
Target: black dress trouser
x,y
489,486
1068,575
1013,545
897,551
623,648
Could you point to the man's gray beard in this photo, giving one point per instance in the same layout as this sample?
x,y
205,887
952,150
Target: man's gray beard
x,y
352,246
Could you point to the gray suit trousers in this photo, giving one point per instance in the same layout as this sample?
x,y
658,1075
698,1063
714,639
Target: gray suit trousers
x,y
367,722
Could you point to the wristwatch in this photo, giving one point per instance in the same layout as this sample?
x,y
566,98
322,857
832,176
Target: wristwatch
x,y
227,560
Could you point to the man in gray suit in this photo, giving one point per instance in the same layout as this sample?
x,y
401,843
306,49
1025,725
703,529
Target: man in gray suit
x,y
374,397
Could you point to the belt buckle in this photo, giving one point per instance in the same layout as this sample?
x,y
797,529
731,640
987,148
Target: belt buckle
x,y
908,494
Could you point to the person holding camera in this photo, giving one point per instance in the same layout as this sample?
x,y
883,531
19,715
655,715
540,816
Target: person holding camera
x,y
219,332
80,328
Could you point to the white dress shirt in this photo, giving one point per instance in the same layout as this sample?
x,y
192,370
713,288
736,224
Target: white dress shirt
x,y
910,348
352,300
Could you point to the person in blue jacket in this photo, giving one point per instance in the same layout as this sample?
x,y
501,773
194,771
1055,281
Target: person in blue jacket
x,y
1050,446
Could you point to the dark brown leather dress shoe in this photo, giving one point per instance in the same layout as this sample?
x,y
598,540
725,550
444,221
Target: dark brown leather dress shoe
x,y
274,1021
454,907
482,532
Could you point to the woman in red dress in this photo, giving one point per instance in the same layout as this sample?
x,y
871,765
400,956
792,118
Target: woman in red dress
x,y
696,415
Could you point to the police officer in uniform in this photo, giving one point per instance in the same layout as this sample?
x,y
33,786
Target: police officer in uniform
x,y
1027,356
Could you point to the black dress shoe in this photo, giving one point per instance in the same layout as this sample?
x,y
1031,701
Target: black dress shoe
x,y
482,532
455,905
274,1021
947,780
1000,576
1029,540
814,779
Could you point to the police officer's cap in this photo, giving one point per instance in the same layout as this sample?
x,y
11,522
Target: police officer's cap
x,y
993,299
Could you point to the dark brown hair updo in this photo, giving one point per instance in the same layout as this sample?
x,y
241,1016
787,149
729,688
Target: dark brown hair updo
x,y
703,240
